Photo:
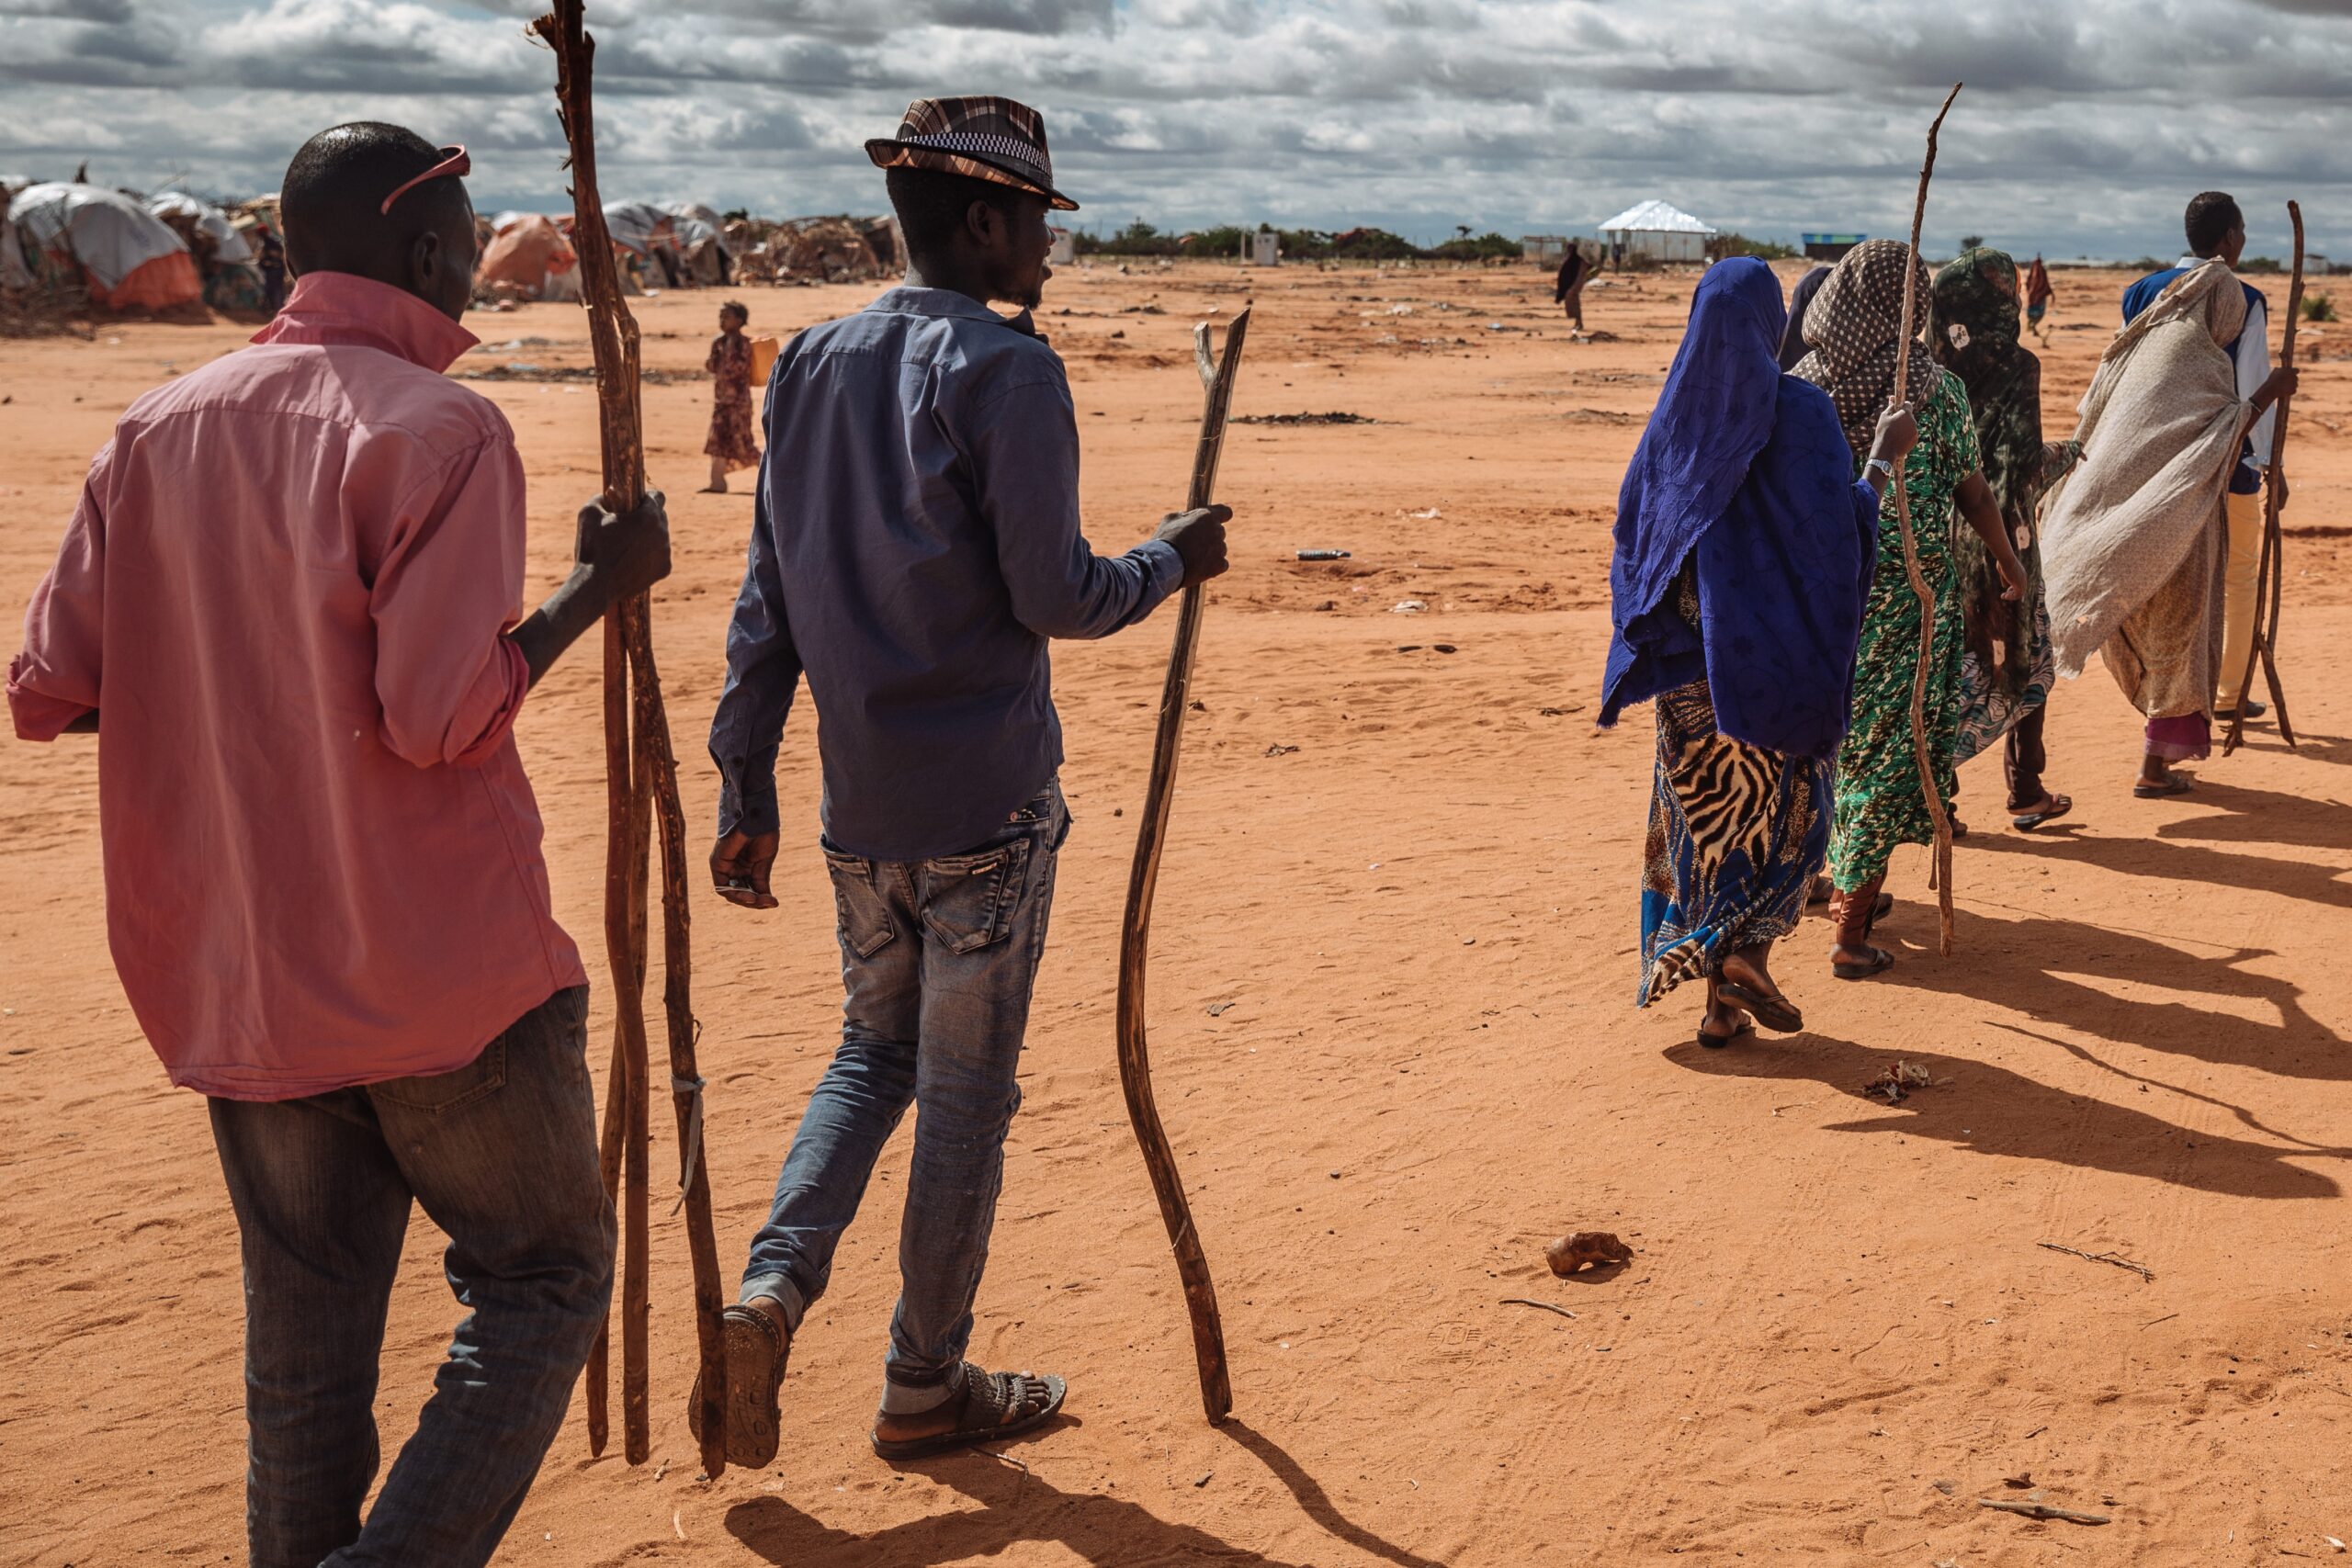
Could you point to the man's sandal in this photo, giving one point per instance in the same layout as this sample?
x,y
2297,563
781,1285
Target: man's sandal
x,y
2054,807
994,1405
757,1349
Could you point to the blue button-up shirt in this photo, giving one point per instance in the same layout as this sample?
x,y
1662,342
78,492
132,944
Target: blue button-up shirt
x,y
914,544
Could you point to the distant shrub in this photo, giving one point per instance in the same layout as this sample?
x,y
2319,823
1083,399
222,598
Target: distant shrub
x,y
2260,264
2318,308
1724,245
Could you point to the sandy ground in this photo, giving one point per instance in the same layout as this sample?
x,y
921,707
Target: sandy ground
x,y
1392,1001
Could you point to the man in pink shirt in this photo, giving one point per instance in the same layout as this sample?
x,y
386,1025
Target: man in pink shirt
x,y
290,605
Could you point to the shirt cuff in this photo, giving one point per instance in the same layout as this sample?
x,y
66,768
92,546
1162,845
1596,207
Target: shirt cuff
x,y
38,715
747,796
1165,567
490,706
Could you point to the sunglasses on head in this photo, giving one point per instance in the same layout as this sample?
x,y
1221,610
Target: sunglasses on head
x,y
454,161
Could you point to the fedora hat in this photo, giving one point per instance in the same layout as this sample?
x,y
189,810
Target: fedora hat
x,y
989,139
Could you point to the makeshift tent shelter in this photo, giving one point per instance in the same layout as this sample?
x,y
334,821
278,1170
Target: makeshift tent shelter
x,y
127,258
1544,250
528,257
190,216
1658,231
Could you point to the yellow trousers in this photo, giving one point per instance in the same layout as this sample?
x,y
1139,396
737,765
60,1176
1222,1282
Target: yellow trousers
x,y
2238,608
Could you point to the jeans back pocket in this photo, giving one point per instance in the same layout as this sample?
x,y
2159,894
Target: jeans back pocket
x,y
969,900
858,905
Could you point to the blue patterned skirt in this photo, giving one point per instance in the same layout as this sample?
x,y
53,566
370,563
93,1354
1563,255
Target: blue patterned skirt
x,y
1736,836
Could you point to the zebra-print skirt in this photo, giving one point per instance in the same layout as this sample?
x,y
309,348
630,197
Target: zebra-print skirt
x,y
1736,836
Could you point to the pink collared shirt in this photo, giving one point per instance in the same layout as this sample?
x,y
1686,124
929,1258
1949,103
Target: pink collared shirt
x,y
284,591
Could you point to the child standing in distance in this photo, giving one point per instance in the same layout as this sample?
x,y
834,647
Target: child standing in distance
x,y
730,443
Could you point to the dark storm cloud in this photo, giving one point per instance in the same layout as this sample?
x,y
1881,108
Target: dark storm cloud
x,y
112,11
2084,124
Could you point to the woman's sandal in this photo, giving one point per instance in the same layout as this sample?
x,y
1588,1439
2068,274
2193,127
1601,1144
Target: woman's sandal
x,y
1881,960
995,1405
2053,807
1775,1012
2164,791
757,1349
1717,1041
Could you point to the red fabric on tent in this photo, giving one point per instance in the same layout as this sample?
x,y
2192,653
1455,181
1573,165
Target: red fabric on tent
x,y
154,285
527,254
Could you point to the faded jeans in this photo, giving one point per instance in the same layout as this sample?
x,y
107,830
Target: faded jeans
x,y
502,1154
938,960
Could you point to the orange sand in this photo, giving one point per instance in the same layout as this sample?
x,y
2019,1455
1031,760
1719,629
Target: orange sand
x,y
1424,917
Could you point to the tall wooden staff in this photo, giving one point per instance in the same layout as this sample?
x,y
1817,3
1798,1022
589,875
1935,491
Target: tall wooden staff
x,y
2273,571
1926,595
1135,934
642,783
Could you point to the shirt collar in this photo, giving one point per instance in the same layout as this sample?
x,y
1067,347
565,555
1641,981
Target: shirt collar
x,y
342,307
907,301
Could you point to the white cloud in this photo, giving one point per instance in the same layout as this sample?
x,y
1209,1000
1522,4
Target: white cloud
x,y
2085,125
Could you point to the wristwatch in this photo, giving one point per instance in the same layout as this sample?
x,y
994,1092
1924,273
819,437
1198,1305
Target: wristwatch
x,y
1882,465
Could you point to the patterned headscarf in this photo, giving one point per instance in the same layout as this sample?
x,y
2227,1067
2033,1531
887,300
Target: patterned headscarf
x,y
1853,326
1972,332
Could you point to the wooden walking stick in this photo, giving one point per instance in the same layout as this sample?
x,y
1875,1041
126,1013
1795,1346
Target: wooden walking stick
x,y
1926,595
1135,931
2272,572
642,783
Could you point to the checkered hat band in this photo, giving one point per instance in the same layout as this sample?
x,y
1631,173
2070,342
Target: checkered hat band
x,y
985,144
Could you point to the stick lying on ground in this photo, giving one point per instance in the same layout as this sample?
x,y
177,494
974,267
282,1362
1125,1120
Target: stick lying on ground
x,y
2272,574
642,783
1926,595
2115,1258
2045,1511
1135,935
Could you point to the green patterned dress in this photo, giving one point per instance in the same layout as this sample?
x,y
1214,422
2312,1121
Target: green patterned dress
x,y
1879,802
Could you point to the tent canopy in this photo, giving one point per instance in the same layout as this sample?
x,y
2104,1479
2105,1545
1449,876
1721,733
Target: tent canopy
x,y
229,246
1655,217
132,257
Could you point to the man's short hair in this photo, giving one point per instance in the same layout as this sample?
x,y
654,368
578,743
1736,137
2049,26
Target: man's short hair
x,y
931,203
2212,215
336,187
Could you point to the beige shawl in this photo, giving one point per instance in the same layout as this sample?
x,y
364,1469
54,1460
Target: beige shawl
x,y
2132,540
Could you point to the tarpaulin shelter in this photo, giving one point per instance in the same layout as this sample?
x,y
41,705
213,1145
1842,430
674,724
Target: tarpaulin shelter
x,y
187,216
639,226
128,258
1658,231
528,254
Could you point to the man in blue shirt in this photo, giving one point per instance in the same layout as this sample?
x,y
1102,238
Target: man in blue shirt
x,y
2216,227
914,545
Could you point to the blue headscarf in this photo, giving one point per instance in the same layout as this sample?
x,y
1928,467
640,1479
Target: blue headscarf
x,y
1781,584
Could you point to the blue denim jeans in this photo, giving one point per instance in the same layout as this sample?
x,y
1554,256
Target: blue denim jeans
x,y
502,1154
938,960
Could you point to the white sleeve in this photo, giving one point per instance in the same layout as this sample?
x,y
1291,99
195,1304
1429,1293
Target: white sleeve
x,y
2254,369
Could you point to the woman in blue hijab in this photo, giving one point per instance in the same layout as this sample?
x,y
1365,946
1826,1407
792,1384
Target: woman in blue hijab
x,y
1743,555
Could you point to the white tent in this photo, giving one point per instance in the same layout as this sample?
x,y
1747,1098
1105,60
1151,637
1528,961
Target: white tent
x,y
1658,231
131,258
230,247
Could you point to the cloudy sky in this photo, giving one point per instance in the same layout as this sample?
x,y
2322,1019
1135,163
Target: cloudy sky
x,y
2085,125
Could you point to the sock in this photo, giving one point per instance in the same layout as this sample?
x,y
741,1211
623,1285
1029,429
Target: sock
x,y
902,1399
